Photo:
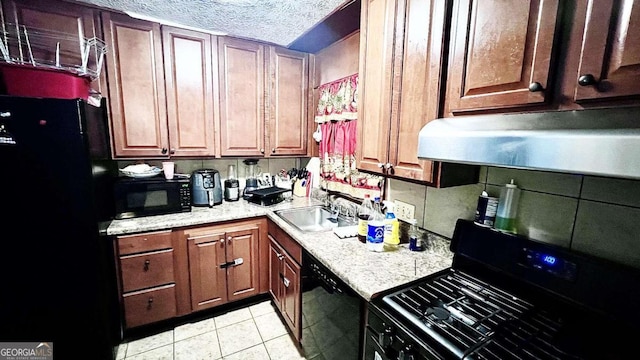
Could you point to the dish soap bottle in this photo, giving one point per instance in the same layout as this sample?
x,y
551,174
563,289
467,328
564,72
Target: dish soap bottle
x,y
375,228
507,208
391,228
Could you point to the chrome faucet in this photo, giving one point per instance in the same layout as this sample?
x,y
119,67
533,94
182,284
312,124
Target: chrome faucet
x,y
335,210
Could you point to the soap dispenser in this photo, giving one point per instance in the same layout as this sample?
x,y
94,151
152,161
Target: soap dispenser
x,y
507,208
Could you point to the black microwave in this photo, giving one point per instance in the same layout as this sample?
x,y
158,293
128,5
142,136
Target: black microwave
x,y
151,196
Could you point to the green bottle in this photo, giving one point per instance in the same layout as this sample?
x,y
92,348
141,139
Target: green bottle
x,y
508,208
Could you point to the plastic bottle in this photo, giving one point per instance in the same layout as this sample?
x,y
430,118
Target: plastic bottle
x,y
375,228
415,238
507,208
364,212
391,228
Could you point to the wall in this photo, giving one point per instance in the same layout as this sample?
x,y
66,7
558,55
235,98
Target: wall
x,y
338,60
334,62
590,214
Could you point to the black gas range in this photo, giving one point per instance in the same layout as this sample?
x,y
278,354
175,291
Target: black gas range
x,y
508,297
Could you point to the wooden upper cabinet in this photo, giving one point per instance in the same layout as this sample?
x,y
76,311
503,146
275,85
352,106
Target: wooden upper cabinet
x,y
377,32
242,94
401,70
74,21
423,22
136,86
208,279
189,77
500,54
288,96
609,58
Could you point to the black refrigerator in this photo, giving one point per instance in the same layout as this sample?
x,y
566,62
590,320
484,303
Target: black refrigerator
x,y
57,279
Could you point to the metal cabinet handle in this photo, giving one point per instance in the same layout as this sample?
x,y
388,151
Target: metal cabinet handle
x,y
381,165
286,282
273,150
586,80
388,166
262,151
173,151
164,150
146,265
535,87
280,256
149,303
229,239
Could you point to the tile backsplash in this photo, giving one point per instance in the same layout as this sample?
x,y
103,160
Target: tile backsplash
x,y
271,166
595,215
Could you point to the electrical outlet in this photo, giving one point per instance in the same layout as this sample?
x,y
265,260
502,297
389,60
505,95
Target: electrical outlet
x,y
405,212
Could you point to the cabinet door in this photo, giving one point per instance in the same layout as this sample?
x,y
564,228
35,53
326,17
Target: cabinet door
x,y
291,295
288,93
208,279
275,272
242,92
242,247
610,53
500,53
377,31
189,82
136,86
424,24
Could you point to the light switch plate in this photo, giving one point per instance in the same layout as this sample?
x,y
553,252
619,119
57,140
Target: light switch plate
x,y
405,212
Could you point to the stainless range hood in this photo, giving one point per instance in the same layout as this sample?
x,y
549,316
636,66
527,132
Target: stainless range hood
x,y
603,142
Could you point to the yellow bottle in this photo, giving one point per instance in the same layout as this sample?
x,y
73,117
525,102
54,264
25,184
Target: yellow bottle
x,y
391,228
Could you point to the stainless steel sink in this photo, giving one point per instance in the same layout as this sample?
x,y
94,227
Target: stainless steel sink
x,y
314,218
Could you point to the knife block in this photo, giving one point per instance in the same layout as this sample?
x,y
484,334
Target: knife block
x,y
299,189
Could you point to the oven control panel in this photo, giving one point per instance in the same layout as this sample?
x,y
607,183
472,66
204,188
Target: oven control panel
x,y
549,263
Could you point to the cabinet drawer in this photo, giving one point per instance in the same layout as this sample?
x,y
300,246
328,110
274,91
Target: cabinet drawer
x,y
132,244
147,306
288,244
146,270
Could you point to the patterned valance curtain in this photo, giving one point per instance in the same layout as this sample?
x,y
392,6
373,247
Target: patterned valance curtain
x,y
336,115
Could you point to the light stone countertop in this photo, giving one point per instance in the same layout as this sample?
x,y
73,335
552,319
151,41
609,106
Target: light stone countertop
x,y
368,273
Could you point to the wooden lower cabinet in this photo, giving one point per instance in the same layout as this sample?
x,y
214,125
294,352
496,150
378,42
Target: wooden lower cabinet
x,y
147,277
285,281
150,305
167,274
147,269
224,262
208,279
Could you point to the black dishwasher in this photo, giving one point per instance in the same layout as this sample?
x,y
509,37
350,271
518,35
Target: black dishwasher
x,y
331,313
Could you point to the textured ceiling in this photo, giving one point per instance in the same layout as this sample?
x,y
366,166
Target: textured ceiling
x,y
275,21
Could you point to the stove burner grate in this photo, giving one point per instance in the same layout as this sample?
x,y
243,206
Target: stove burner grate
x,y
471,318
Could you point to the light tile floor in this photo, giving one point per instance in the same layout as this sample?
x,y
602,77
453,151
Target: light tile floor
x,y
252,333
